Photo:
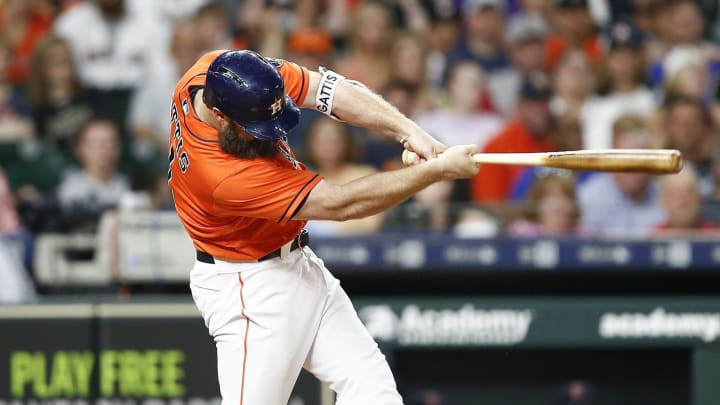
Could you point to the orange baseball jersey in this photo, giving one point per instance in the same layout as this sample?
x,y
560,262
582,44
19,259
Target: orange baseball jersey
x,y
232,208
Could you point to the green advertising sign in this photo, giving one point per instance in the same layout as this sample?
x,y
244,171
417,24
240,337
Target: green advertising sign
x,y
540,322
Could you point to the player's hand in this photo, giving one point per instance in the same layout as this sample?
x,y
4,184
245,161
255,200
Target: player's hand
x,y
425,146
457,162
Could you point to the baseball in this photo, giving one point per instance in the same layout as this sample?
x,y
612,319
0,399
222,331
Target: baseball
x,y
408,157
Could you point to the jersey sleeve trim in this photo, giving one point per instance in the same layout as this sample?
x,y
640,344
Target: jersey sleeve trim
x,y
299,198
303,87
299,207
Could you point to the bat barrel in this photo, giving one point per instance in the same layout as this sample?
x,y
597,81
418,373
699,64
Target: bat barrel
x,y
656,161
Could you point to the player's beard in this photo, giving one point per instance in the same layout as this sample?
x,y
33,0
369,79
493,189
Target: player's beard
x,y
233,143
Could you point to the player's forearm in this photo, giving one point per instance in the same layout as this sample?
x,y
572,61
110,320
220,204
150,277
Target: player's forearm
x,y
376,193
359,106
368,195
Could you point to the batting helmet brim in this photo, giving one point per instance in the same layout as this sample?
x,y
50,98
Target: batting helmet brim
x,y
276,127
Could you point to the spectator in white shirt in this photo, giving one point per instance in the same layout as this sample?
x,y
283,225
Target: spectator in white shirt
x,y
461,122
97,186
114,49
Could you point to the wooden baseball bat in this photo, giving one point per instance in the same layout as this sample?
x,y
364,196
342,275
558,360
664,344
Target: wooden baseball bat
x,y
656,161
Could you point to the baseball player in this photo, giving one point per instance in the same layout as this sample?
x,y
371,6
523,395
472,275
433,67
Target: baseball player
x,y
268,301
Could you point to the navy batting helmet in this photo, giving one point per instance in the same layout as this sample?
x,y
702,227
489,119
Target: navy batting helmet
x,y
248,88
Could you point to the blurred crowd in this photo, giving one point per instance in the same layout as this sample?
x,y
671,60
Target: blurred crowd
x,y
85,88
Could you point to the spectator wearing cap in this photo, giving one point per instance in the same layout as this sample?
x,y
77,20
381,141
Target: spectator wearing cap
x,y
621,87
525,36
622,204
575,30
528,132
484,22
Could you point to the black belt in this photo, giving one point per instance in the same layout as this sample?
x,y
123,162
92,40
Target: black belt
x,y
303,239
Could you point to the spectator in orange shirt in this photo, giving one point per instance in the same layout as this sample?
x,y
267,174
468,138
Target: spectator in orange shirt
x,y
576,30
529,132
24,22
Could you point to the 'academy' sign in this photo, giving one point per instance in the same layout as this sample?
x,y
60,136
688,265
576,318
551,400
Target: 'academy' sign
x,y
660,324
413,326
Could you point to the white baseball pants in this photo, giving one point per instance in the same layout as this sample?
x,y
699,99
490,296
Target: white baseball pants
x,y
272,318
